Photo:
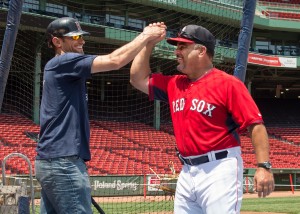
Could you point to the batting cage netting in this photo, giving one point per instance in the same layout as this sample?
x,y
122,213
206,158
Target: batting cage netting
x,y
134,166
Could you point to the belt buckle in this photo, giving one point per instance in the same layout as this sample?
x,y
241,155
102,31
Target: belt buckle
x,y
190,161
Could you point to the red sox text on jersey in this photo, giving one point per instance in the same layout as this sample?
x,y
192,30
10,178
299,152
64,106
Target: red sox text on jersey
x,y
197,105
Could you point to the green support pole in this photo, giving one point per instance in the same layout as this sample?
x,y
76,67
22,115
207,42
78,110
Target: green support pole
x,y
37,82
42,5
37,76
126,17
157,114
156,122
102,91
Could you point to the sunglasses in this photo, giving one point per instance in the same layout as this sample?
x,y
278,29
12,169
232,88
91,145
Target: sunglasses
x,y
76,37
73,37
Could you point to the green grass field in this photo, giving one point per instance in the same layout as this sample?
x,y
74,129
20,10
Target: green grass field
x,y
137,207
290,205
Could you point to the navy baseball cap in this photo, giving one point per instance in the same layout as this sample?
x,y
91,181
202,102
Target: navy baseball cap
x,y
65,26
195,34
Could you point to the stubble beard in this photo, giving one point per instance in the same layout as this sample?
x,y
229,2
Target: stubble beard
x,y
180,67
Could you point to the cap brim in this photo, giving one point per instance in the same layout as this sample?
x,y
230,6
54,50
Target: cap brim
x,y
174,41
77,33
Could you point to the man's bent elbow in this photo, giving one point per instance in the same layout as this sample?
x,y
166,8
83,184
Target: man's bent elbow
x,y
139,85
133,82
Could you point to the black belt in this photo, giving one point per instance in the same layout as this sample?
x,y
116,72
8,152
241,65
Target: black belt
x,y
203,159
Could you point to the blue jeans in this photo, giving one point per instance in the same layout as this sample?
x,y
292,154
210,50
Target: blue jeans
x,y
65,185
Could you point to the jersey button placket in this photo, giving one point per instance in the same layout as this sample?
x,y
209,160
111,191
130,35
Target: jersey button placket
x,y
185,118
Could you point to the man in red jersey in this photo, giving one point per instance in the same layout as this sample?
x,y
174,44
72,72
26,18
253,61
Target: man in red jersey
x,y
209,109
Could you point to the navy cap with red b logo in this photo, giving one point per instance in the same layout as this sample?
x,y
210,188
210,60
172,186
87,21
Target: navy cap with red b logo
x,y
65,26
195,34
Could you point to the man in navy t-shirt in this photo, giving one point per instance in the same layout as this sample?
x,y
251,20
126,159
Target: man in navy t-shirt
x,y
63,146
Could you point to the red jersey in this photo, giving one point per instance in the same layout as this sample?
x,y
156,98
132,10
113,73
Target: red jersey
x,y
208,113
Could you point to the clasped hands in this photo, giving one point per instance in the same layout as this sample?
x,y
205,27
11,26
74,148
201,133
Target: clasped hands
x,y
156,31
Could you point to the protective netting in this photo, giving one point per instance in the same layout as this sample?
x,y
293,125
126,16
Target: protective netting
x,y
134,165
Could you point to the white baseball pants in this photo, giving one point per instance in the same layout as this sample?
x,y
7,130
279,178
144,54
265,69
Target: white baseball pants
x,y
215,187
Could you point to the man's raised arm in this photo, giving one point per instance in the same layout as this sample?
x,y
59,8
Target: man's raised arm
x,y
140,68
